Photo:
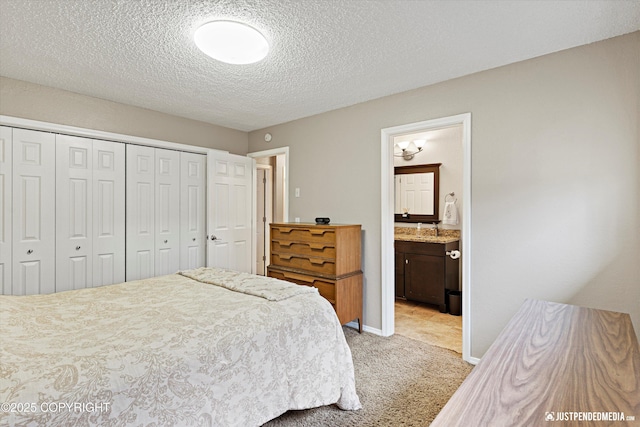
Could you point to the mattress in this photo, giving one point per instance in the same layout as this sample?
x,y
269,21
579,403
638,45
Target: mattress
x,y
207,347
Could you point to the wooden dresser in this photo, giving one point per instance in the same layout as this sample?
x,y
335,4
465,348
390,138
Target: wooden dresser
x,y
327,257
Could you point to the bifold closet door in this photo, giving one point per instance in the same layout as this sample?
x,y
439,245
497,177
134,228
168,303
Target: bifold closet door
x,y
192,211
89,213
140,208
33,218
167,212
153,212
5,209
73,213
108,213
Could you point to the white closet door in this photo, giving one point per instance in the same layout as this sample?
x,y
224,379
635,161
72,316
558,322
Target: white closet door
x,y
33,212
192,210
140,212
167,212
230,211
108,213
5,209
74,229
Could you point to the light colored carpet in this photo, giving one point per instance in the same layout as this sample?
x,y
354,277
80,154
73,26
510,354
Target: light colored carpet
x,y
400,381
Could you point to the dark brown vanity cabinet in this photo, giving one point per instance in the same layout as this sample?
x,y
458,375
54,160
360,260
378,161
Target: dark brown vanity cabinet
x,y
424,271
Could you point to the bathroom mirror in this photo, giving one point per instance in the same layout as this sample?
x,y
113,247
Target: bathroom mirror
x,y
417,192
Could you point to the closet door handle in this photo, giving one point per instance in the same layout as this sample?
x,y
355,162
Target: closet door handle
x,y
166,241
29,252
77,248
194,239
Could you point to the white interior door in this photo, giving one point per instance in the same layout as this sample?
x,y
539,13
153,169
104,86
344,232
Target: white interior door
x,y
34,189
417,193
230,211
167,212
140,208
192,210
74,229
397,194
5,209
108,213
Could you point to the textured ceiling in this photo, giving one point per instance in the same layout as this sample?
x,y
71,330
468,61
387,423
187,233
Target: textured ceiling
x,y
325,54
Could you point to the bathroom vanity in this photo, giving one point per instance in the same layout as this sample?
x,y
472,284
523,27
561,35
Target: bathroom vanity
x,y
424,269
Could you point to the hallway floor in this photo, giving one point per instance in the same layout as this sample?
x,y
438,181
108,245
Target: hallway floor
x,y
424,322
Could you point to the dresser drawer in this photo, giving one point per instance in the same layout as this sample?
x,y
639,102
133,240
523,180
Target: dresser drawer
x,y
305,262
323,250
327,288
304,234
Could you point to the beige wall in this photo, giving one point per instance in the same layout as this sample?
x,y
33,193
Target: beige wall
x,y
35,102
555,207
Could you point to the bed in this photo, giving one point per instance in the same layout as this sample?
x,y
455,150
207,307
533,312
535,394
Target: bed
x,y
205,347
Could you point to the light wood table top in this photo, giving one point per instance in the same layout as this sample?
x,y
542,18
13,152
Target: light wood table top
x,y
553,364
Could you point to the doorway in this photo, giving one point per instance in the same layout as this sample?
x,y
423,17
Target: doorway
x,y
271,199
423,309
387,220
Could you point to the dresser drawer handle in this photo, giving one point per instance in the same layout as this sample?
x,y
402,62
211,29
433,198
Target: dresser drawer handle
x,y
317,261
318,247
318,232
284,244
284,256
299,277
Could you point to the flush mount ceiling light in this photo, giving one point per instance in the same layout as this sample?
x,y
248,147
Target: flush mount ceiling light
x,y
404,146
231,42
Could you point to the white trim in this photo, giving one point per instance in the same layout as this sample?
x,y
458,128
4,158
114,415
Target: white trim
x,y
473,360
254,214
386,234
97,134
267,231
387,224
365,328
271,153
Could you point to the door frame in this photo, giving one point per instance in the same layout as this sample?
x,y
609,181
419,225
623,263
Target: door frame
x,y
18,122
268,214
387,221
272,153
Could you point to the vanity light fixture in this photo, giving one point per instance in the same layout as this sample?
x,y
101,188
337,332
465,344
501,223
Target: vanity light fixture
x,y
231,42
404,146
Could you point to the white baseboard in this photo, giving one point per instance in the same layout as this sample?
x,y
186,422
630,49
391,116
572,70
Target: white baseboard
x,y
365,328
473,360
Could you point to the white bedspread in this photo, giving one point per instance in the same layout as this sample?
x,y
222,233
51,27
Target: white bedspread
x,y
171,351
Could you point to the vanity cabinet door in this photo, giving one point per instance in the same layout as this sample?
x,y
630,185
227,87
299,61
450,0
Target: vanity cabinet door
x,y
399,275
424,279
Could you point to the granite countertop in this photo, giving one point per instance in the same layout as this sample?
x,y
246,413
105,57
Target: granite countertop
x,y
426,235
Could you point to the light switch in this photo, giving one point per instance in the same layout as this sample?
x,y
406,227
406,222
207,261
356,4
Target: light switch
x,y
297,192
